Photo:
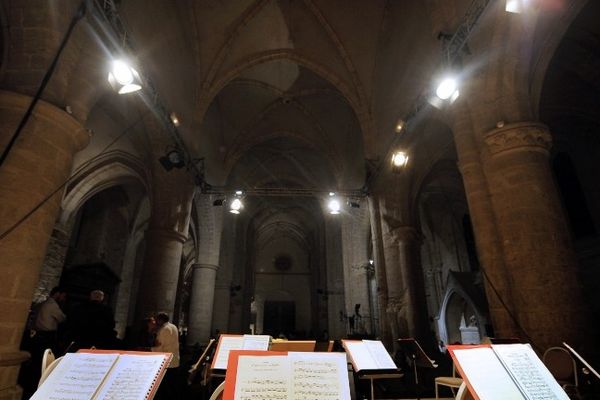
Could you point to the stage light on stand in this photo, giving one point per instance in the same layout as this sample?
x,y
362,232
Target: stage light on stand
x,y
123,78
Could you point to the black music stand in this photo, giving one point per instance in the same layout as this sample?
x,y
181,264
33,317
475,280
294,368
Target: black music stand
x,y
415,353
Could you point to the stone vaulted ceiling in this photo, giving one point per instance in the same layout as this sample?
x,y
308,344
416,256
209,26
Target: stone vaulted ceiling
x,y
288,93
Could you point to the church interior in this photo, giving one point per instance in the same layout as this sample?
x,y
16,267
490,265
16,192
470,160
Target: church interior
x,y
319,169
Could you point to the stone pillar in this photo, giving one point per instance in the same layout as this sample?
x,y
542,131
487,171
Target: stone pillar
x,y
406,306
535,237
172,195
355,230
487,238
160,276
201,303
38,164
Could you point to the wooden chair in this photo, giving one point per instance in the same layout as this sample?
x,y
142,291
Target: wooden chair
x,y
463,393
453,382
48,370
47,359
218,393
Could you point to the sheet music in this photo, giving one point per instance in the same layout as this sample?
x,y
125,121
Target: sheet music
x,y
360,355
132,377
487,375
380,354
319,376
262,378
256,342
76,377
226,343
529,372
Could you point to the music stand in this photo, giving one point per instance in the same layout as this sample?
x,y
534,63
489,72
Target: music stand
x,y
582,360
415,353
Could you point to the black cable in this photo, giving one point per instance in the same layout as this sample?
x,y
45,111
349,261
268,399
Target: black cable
x,y
78,16
62,185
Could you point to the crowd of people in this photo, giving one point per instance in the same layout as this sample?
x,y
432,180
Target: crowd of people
x,y
64,326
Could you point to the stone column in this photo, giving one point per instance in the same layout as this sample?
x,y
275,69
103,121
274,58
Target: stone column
x,y
201,303
355,230
405,306
535,237
38,164
172,196
487,238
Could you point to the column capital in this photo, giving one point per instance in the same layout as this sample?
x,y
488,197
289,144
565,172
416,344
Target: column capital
x,y
530,136
205,266
168,234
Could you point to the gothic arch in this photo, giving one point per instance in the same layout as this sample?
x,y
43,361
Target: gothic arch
x,y
114,168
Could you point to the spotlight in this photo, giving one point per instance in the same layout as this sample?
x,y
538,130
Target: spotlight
x,y
218,202
353,204
371,262
399,126
175,119
515,6
236,206
173,159
334,206
123,78
447,89
399,159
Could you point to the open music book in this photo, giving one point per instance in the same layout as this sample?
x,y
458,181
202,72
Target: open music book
x,y
368,355
286,376
237,342
505,372
104,375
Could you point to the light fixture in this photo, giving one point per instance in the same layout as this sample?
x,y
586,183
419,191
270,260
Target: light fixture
x,y
515,6
173,159
371,262
334,206
236,206
447,89
123,78
239,192
174,119
399,125
399,159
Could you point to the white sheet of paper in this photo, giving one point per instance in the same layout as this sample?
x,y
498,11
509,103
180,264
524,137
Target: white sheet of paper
x,y
360,355
132,377
262,378
529,372
322,376
76,377
380,354
487,375
227,343
256,342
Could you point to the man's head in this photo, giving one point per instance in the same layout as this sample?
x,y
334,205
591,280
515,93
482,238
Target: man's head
x,y
162,318
97,296
58,294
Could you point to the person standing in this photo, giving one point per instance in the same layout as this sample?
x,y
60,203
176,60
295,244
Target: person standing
x,y
48,317
167,341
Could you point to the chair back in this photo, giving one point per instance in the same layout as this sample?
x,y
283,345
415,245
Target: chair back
x,y
561,365
218,393
47,359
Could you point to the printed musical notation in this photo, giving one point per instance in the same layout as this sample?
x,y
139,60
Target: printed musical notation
x,y
297,376
104,375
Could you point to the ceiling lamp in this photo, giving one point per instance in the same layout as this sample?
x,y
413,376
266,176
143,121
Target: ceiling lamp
x,y
123,78
236,206
399,159
334,206
399,125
